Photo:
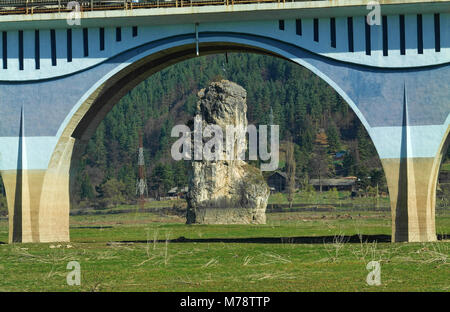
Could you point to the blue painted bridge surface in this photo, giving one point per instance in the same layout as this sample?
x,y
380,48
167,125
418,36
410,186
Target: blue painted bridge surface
x,y
395,76
376,94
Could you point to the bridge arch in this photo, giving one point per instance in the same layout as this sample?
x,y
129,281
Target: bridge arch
x,y
92,108
102,96
378,96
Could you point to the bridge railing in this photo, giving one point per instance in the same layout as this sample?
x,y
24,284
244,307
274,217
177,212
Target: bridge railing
x,y
54,6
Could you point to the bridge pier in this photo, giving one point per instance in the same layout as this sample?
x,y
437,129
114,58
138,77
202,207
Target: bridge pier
x,y
412,185
412,191
39,200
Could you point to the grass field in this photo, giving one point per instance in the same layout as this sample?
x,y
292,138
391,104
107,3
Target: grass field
x,y
296,251
445,166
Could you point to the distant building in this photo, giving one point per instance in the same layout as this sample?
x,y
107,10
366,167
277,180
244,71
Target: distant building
x,y
341,184
174,192
277,181
183,191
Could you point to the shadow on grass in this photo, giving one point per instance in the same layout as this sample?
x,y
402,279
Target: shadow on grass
x,y
91,227
380,238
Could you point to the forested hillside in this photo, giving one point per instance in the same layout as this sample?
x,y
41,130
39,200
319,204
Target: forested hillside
x,y
304,106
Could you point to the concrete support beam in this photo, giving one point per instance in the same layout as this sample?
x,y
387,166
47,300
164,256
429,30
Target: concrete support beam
x,y
38,200
412,191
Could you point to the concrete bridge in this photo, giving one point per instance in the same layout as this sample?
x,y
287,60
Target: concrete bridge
x,y
57,82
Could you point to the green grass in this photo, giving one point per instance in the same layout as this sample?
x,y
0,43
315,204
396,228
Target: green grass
x,y
335,199
225,266
445,167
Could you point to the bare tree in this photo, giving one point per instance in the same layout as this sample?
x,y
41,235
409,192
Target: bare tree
x,y
320,162
290,172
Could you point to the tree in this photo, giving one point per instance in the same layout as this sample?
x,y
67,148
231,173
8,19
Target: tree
x,y
3,203
321,161
86,188
113,192
376,177
162,179
96,148
302,161
364,144
334,142
348,164
363,178
180,173
290,172
127,175
447,155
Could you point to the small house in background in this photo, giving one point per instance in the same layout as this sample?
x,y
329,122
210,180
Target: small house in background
x,y
173,192
183,191
176,192
341,184
277,181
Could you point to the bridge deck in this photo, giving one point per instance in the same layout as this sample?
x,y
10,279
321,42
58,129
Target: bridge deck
x,y
55,6
14,15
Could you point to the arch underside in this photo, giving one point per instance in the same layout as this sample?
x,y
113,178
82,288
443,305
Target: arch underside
x,y
123,82
375,95
82,124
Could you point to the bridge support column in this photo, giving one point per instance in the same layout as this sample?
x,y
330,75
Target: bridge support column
x,y
412,191
412,175
38,200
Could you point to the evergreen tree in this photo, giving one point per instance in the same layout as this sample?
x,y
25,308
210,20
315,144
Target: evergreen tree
x,y
364,144
348,164
86,188
321,161
334,142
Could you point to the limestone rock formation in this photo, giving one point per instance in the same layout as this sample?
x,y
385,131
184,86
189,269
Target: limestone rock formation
x,y
225,191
